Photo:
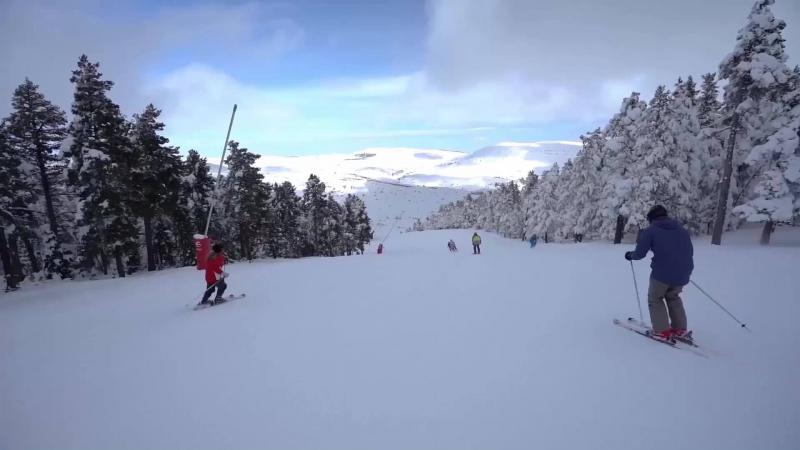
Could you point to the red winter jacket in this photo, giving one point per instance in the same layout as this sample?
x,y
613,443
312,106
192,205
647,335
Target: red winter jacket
x,y
214,267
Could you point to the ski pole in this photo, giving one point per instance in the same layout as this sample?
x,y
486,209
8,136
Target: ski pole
x,y
638,300
720,306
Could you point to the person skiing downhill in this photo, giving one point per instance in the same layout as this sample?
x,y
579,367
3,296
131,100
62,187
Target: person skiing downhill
x,y
451,245
672,266
476,244
215,276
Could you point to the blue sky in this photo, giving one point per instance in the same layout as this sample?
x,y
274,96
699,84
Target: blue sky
x,y
320,76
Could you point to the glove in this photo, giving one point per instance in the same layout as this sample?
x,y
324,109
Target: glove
x,y
225,274
628,256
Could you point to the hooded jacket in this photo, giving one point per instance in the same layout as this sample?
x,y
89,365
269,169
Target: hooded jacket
x,y
672,249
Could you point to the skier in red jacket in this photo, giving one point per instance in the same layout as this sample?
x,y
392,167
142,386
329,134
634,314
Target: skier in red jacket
x,y
215,276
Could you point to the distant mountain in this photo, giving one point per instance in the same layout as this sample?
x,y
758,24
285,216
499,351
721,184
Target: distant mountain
x,y
420,167
402,184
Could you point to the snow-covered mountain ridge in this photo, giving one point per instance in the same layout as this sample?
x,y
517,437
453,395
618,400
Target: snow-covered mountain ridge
x,y
350,172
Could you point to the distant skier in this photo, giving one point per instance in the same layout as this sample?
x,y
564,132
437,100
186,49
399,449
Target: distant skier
x,y
476,244
672,265
533,240
380,249
451,245
215,276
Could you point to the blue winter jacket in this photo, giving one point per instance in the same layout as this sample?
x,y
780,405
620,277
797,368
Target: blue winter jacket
x,y
672,262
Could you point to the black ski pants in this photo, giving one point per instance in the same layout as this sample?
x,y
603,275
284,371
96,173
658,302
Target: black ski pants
x,y
219,286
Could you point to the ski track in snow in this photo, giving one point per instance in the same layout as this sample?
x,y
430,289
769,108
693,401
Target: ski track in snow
x,y
414,349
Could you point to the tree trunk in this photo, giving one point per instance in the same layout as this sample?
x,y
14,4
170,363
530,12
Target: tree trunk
x,y
26,241
48,194
620,230
8,268
725,184
148,242
766,232
16,263
103,261
120,265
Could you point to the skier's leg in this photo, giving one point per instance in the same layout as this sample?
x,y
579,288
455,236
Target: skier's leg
x,y
677,314
655,301
221,286
209,290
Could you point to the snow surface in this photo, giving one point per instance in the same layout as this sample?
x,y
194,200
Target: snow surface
x,y
417,348
393,207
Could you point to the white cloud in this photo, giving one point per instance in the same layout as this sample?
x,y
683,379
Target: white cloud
x,y
42,39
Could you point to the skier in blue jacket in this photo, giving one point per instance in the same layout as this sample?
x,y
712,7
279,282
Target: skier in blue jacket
x,y
672,265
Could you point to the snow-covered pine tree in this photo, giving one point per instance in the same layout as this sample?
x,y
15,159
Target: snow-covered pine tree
x,y
775,198
709,107
586,185
332,230
36,129
15,194
665,171
508,199
197,187
528,186
315,209
565,202
619,157
245,201
543,219
357,224
100,155
756,76
155,185
710,118
694,152
288,213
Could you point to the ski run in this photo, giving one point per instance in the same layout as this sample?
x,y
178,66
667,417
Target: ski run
x,y
415,348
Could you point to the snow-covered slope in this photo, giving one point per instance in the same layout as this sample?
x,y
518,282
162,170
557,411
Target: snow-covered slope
x,y
392,206
420,167
414,349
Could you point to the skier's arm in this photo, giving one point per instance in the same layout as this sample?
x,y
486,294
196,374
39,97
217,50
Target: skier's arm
x,y
643,245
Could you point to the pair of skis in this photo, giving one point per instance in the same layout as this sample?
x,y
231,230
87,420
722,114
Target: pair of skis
x,y
643,330
227,298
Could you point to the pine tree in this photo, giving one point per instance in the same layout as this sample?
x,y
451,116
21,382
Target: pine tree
x,y
14,195
775,198
710,118
666,171
709,105
332,230
756,74
196,189
358,231
587,183
314,206
543,220
288,213
100,168
36,129
619,157
245,199
155,184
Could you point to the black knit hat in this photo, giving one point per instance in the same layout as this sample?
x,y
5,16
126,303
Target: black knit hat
x,y
217,248
656,212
